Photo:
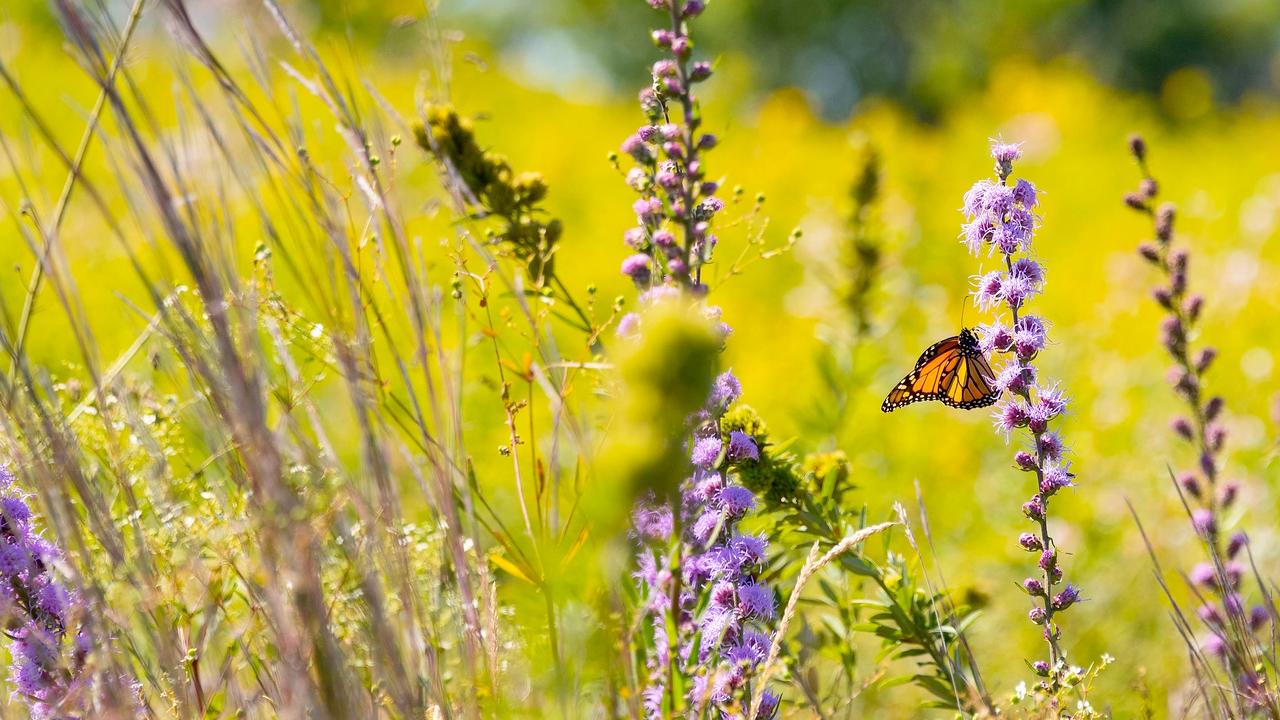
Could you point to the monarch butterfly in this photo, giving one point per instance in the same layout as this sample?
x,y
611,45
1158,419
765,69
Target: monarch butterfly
x,y
954,371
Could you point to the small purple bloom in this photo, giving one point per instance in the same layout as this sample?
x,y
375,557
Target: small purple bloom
x,y
725,391
755,600
1006,153
736,500
706,451
742,447
1203,521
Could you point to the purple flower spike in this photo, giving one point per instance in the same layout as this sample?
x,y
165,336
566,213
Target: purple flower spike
x,y
1001,214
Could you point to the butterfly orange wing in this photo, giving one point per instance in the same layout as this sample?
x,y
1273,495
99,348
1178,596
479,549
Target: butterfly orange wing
x,y
932,377
971,386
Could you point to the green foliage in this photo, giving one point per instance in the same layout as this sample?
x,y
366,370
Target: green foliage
x,y
492,188
665,378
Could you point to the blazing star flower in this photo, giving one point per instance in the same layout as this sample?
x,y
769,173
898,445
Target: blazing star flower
x,y
1003,215
716,634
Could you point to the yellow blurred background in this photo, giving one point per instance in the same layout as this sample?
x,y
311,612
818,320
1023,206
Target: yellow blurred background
x,y
1220,162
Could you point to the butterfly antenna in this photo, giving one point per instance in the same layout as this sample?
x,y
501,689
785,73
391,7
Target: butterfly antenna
x,y
964,305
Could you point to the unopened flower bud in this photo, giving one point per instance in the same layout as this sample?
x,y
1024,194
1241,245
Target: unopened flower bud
x,y
1182,427
1213,408
1138,147
1189,484
1227,497
1236,543
1205,358
1164,222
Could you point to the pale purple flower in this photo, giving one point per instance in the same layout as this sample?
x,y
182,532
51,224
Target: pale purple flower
x,y
725,391
706,451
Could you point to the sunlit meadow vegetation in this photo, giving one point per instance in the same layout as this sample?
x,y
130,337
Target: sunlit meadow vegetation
x,y
324,395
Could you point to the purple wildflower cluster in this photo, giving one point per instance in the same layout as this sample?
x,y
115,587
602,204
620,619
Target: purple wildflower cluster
x,y
37,608
1230,622
672,238
715,603
1001,215
699,574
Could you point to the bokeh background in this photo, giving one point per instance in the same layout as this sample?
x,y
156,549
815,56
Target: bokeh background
x,y
801,89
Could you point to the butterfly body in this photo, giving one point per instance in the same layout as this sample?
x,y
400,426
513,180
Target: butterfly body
x,y
953,371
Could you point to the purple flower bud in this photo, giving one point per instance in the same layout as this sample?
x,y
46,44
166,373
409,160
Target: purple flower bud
x,y
664,239
648,210
635,146
1214,645
1148,188
1025,460
1193,306
637,267
1209,613
1190,484
662,38
1163,297
1259,616
665,68
693,8
1204,575
680,46
1213,408
1048,559
700,71
1181,427
707,141
673,86
1216,436
1135,201
1236,543
1203,521
1208,466
1033,509
1038,616
1033,586
1041,668
1164,222
1234,572
1149,252
1138,147
1205,359
1233,604
629,325
1227,496
1030,542
650,104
